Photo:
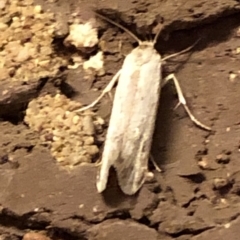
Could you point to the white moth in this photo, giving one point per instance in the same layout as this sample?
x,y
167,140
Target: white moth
x,y
129,136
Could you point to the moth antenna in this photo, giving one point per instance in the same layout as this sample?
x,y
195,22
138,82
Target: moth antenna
x,y
181,52
120,26
156,36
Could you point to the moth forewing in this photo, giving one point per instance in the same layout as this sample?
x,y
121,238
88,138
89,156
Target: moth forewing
x,y
132,121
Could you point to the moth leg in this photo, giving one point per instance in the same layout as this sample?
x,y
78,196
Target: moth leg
x,y
110,96
107,89
177,105
183,101
149,177
97,163
155,164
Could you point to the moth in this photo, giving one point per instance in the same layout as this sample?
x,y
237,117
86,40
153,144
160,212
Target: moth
x,y
132,122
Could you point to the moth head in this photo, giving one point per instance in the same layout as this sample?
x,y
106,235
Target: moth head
x,y
147,43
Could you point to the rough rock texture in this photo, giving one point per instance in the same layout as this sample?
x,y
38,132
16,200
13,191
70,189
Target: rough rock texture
x,y
70,135
197,194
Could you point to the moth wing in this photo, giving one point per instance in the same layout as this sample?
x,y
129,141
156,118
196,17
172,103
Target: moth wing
x,y
132,164
129,136
114,138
